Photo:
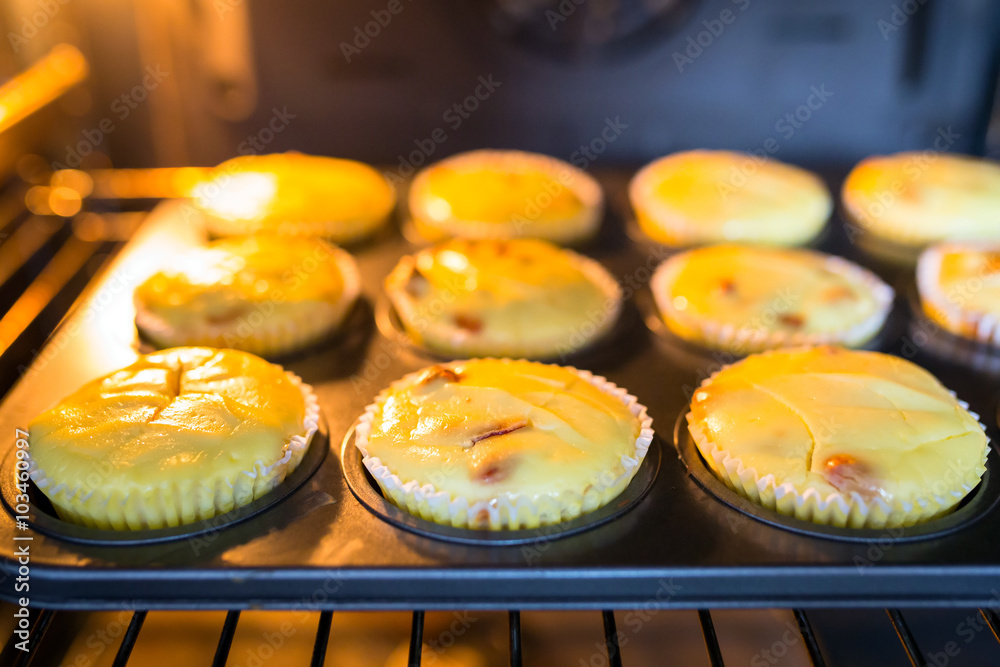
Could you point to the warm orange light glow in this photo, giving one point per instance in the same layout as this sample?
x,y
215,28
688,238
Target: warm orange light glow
x,y
76,180
65,201
240,196
33,169
61,69
37,200
64,265
90,227
163,183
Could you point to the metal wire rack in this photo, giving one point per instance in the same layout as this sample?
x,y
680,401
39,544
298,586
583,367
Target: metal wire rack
x,y
39,633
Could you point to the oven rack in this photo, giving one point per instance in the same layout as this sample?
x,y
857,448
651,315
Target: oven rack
x,y
42,622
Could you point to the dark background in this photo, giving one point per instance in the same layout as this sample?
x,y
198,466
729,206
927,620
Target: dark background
x,y
896,72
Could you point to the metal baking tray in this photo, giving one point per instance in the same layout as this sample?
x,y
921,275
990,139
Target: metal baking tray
x,y
675,540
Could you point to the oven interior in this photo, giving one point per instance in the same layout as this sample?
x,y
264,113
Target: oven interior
x,y
131,99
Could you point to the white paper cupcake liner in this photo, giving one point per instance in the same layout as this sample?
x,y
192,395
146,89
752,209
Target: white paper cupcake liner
x,y
440,335
746,340
979,326
173,504
271,335
505,510
835,509
571,230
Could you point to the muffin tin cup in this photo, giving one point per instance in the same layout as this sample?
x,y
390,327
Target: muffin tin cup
x,y
746,339
979,502
507,511
267,337
41,516
979,326
366,490
165,501
927,334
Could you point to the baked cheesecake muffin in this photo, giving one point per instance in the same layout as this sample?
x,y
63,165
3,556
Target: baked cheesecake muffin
x,y
518,297
180,435
912,199
749,298
505,194
839,437
295,195
501,444
959,286
269,295
700,197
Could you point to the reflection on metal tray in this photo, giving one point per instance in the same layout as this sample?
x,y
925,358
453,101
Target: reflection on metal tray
x,y
678,546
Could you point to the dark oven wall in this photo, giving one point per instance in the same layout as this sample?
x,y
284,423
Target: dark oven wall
x,y
622,81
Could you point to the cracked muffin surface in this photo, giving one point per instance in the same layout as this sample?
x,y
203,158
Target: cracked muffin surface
x,y
186,421
864,429
486,429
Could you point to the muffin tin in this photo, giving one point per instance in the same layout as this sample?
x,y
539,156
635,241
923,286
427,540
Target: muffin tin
x,y
366,490
333,542
43,517
981,501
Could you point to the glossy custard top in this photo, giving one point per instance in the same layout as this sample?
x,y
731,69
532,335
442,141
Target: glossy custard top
x,y
292,187
484,427
220,283
970,278
715,196
770,289
501,288
501,187
844,421
177,415
919,198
